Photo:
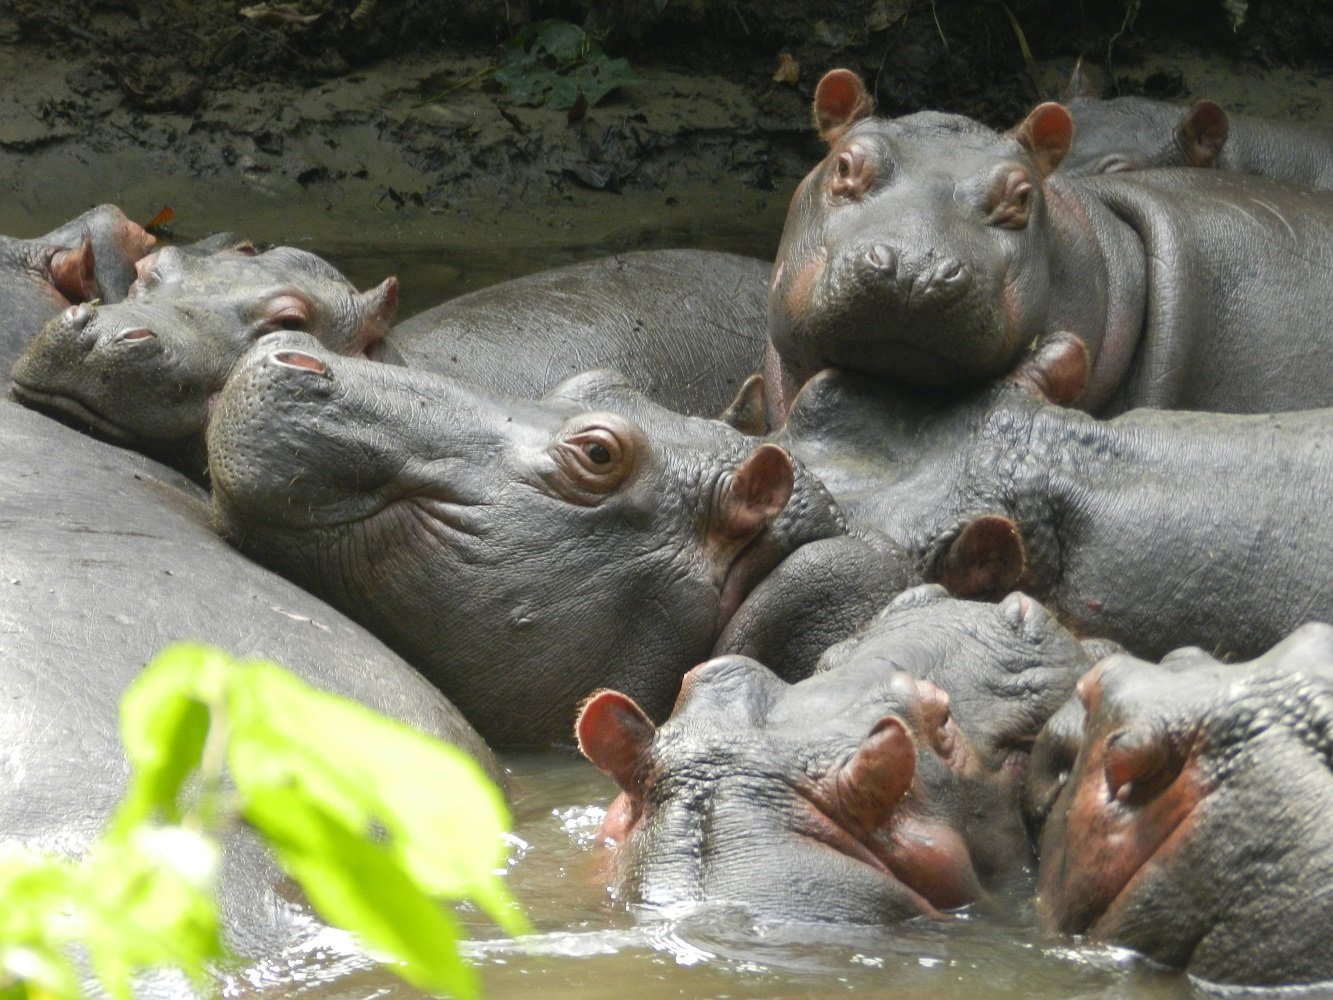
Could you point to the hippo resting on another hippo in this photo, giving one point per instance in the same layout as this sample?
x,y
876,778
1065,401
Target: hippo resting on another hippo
x,y
91,257
883,787
686,327
1196,824
107,558
1156,529
934,251
523,553
143,372
1135,133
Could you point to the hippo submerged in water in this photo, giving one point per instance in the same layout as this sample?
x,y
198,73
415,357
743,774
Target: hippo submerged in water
x,y
882,788
1194,824
933,251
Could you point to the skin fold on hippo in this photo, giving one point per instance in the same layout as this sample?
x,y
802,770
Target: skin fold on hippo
x,y
520,553
1156,529
90,257
143,372
686,327
1136,133
1195,824
930,250
882,788
107,558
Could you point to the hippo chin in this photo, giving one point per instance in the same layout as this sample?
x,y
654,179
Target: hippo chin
x,y
1193,824
521,553
882,788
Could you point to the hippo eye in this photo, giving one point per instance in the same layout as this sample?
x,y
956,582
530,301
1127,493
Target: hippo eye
x,y
283,312
597,452
594,458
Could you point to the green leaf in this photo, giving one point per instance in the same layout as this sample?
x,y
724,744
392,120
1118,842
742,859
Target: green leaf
x,y
355,884
164,721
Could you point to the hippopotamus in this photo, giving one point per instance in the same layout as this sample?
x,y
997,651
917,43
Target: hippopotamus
x,y
687,327
1194,824
881,788
1136,133
143,372
931,250
108,557
522,553
90,257
1155,529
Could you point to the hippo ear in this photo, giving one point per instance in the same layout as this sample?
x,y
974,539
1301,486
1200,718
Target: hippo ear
x,y
841,98
986,560
1202,133
380,305
72,272
1056,370
746,411
1046,133
1080,84
757,492
615,734
876,777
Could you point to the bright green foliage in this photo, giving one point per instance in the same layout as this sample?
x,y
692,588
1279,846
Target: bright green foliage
x,y
552,62
376,822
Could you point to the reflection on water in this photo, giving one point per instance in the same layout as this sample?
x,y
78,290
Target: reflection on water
x,y
587,946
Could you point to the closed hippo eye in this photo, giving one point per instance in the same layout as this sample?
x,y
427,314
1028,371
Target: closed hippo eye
x,y
593,459
283,312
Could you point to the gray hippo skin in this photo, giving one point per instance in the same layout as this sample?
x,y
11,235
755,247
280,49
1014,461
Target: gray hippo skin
x,y
91,257
519,553
143,372
1195,824
107,558
883,787
687,327
1156,529
1135,133
933,251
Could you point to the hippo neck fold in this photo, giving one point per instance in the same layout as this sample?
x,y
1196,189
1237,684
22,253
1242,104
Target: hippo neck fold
x,y
1100,282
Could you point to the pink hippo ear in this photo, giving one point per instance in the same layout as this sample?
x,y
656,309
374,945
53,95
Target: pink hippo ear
x,y
614,733
1055,370
841,98
986,560
757,492
72,273
874,779
1202,133
1046,133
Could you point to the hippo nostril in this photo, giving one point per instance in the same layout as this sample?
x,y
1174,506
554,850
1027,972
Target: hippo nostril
x,y
948,270
882,258
302,361
79,315
135,335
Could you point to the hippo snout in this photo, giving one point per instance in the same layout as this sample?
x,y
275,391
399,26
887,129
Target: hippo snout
x,y
907,277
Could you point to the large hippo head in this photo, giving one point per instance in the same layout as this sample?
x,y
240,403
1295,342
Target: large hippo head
x,y
143,372
916,248
520,553
1194,824
882,788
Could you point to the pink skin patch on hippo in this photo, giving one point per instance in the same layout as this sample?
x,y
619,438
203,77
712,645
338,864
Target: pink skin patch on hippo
x,y
796,297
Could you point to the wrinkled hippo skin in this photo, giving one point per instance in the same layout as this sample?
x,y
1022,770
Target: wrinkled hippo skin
x,y
143,372
1156,529
89,257
933,251
1136,133
520,553
1194,824
107,558
882,788
687,327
